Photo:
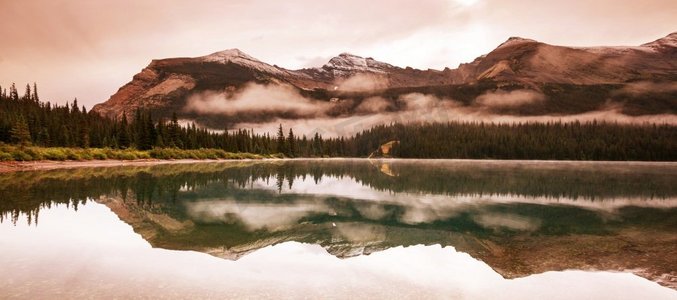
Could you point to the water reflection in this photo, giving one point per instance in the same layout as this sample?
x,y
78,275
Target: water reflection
x,y
520,218
67,256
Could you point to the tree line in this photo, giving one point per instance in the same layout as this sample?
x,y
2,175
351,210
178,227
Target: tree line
x,y
547,141
26,120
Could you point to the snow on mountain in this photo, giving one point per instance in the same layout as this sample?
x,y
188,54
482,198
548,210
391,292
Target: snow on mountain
x,y
515,41
668,42
238,57
346,62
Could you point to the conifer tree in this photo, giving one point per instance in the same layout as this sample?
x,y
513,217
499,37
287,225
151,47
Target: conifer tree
x,y
317,145
174,132
27,93
20,133
13,94
36,98
281,141
74,108
291,144
124,140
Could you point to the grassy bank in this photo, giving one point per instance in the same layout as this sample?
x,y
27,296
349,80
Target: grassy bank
x,y
29,153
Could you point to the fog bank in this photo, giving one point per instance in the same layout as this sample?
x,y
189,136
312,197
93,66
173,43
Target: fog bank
x,y
285,105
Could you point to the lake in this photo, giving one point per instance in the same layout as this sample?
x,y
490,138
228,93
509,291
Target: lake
x,y
342,228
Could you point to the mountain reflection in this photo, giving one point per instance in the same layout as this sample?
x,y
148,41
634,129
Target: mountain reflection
x,y
519,217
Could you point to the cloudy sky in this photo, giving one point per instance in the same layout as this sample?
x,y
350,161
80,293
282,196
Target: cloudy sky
x,y
88,49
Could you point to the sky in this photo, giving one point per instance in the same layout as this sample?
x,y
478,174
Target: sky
x,y
88,49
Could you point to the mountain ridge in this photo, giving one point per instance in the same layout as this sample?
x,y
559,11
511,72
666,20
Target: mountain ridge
x,y
518,63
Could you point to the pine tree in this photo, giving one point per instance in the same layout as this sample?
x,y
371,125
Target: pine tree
x,y
83,133
74,108
161,133
149,133
291,144
281,141
174,132
27,93
36,98
124,140
13,94
317,145
20,133
84,137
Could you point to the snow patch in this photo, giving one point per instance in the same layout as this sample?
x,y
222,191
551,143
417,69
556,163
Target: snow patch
x,y
670,41
346,64
238,57
514,41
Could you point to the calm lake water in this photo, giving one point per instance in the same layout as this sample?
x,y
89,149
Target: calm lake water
x,y
342,229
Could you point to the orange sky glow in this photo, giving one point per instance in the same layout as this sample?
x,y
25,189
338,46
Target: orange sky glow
x,y
88,49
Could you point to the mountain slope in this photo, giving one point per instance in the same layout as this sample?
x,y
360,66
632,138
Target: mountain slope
x,y
573,79
533,62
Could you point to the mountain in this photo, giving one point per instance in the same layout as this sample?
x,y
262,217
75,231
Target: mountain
x,y
641,80
529,61
165,84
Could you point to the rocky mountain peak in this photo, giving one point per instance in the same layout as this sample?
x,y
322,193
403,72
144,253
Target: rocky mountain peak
x,y
237,56
350,62
515,40
228,55
669,41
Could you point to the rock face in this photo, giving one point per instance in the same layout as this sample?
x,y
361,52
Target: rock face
x,y
595,73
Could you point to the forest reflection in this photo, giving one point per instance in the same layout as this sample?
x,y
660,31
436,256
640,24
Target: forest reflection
x,y
512,215
27,192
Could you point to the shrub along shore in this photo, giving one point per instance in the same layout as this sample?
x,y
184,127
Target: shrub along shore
x,y
31,153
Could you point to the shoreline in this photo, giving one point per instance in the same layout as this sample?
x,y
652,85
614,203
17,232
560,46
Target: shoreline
x,y
18,166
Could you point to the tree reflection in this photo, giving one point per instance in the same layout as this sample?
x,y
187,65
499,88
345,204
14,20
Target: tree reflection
x,y
512,215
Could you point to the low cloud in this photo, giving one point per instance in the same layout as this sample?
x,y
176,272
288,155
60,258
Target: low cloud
x,y
257,98
423,103
285,105
506,99
362,83
373,105
647,87
428,109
